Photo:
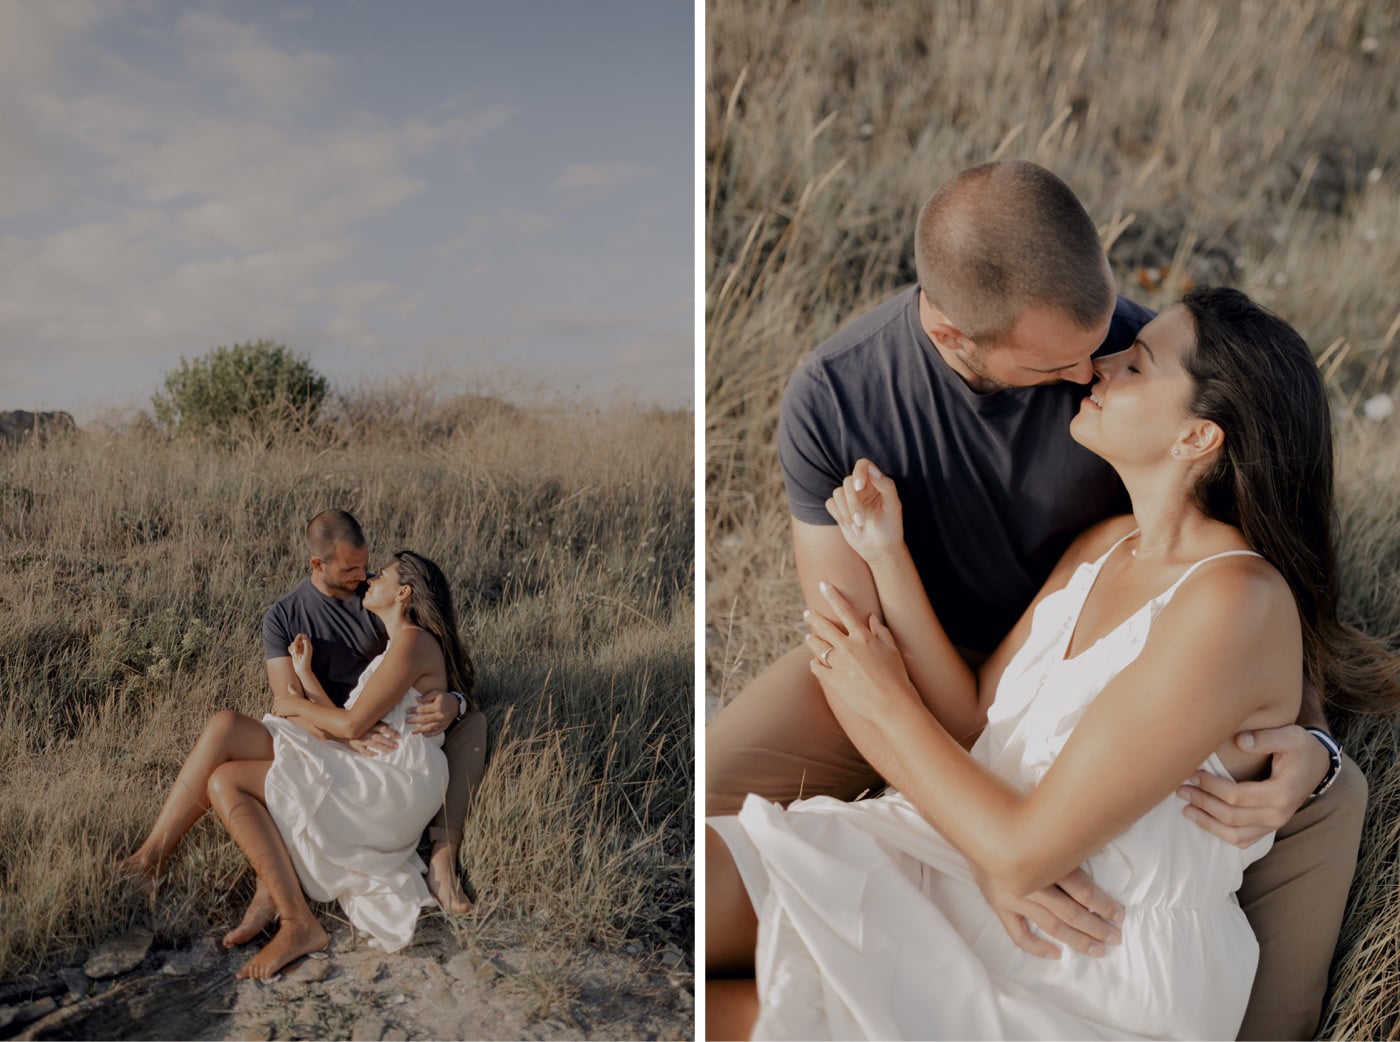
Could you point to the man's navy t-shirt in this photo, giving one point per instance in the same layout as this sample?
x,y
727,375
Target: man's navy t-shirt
x,y
992,486
345,637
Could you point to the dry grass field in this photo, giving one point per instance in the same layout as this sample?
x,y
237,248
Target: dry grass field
x,y
134,572
1252,144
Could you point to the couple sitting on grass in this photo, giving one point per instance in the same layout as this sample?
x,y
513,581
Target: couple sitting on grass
x,y
1046,614
331,791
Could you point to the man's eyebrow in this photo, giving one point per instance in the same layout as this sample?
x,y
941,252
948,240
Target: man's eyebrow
x,y
1058,368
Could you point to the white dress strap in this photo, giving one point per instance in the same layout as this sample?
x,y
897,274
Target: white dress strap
x,y
1167,594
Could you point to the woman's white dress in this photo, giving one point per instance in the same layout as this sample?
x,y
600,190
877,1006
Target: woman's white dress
x,y
871,927
352,822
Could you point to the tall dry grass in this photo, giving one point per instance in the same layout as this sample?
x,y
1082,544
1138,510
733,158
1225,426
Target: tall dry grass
x,y
134,572
1252,144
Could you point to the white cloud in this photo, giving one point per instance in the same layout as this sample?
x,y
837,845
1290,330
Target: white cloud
x,y
254,69
34,34
37,41
600,177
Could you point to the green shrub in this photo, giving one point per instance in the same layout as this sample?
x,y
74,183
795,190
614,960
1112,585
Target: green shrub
x,y
249,389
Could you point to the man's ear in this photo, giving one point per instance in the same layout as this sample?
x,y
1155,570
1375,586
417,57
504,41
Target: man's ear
x,y
317,564
945,334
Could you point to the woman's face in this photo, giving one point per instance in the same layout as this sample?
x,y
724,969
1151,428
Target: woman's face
x,y
383,587
1136,409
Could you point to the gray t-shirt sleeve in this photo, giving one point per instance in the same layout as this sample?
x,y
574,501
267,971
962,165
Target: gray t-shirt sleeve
x,y
808,424
275,635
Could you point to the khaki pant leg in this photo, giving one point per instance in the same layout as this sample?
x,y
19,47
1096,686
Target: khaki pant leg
x,y
779,739
1295,897
464,744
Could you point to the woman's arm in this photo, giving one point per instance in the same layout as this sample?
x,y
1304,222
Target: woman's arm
x,y
409,658
1217,659
867,511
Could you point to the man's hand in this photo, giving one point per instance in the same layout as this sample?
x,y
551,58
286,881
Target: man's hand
x,y
381,738
1242,812
433,713
1073,911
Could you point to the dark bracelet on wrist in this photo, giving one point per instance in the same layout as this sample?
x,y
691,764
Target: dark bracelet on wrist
x,y
1334,765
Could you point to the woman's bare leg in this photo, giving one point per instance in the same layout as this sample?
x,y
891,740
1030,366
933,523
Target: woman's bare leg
x,y
731,935
257,917
237,794
227,736
731,1009
731,927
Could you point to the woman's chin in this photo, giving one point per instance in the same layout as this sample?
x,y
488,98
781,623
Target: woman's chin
x,y
1083,430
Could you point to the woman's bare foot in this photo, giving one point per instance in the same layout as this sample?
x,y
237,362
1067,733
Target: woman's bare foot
x,y
295,938
258,917
443,882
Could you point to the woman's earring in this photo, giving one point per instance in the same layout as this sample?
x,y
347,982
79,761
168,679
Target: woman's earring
x,y
1176,450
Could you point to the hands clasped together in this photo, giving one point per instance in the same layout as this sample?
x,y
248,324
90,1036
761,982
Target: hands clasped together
x,y
863,676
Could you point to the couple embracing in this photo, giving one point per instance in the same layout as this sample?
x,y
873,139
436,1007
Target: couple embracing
x,y
1071,595
330,792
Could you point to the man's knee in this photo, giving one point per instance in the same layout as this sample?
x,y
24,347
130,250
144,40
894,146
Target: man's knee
x,y
222,724
780,740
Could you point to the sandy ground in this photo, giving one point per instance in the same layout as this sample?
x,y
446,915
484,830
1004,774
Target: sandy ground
x,y
449,984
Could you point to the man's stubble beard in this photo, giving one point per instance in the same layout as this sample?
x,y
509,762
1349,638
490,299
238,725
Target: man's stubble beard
x,y
984,381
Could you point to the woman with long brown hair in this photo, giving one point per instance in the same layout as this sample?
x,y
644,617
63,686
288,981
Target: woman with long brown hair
x,y
312,814
1156,639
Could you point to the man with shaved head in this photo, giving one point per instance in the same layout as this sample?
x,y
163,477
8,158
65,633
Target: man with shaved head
x,y
344,639
961,389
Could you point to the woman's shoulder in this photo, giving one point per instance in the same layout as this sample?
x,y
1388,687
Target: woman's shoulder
x,y
414,649
1237,588
1095,541
418,644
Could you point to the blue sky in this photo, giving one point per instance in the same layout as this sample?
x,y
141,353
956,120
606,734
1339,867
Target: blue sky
x,y
496,193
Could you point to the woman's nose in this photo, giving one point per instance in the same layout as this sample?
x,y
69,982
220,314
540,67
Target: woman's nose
x,y
1107,365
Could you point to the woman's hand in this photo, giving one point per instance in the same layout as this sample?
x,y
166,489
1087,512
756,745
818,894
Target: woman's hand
x,y
289,704
866,508
858,665
300,650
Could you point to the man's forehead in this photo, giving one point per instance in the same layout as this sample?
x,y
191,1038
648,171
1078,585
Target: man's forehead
x,y
349,554
1046,339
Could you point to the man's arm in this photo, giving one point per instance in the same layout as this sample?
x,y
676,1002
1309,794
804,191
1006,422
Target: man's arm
x,y
281,678
823,555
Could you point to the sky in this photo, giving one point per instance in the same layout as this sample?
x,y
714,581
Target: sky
x,y
481,193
